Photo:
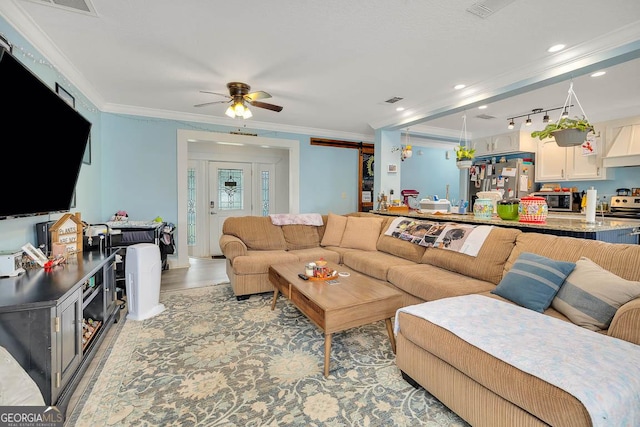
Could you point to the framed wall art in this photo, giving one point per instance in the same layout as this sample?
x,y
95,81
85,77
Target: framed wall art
x,y
68,98
87,152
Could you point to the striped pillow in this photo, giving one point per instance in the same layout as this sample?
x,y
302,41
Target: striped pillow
x,y
533,281
591,295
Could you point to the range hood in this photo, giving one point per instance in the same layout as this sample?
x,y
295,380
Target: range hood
x,y
624,149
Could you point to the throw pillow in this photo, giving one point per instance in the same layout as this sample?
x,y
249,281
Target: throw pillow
x,y
591,295
334,230
361,233
533,281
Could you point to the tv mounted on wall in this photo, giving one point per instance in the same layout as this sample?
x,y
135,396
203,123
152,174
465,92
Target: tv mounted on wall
x,y
52,138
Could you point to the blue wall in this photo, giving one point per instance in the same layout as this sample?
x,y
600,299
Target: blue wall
x,y
139,176
430,172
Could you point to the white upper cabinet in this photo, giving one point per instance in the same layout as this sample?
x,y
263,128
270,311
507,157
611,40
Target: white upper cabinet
x,y
551,161
506,143
555,163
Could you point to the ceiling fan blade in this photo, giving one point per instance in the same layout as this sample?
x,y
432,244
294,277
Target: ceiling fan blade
x,y
256,95
210,103
265,105
215,93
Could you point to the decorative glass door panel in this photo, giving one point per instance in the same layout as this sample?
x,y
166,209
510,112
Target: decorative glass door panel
x,y
230,193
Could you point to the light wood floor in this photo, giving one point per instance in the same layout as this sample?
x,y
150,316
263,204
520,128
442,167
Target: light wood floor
x,y
201,272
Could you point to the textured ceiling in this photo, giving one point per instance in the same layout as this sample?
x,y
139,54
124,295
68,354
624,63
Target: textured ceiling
x,y
331,64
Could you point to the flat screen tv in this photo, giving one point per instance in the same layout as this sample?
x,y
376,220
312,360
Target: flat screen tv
x,y
43,140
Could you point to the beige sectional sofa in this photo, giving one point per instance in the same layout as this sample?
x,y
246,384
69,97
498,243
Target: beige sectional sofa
x,y
481,388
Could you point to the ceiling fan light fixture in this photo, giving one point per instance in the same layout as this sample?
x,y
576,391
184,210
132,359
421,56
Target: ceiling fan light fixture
x,y
230,112
239,109
247,114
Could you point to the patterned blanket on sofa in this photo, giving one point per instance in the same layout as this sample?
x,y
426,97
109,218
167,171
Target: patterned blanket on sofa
x,y
463,238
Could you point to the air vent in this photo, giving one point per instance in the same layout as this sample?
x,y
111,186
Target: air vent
x,y
82,6
485,117
487,8
394,100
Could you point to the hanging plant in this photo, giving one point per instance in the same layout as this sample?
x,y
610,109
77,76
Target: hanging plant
x,y
581,124
464,154
567,132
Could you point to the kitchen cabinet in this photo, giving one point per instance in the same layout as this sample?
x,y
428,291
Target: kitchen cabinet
x,y
554,163
506,143
43,317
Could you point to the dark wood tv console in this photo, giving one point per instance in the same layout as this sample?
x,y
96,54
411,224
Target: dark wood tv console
x,y
42,315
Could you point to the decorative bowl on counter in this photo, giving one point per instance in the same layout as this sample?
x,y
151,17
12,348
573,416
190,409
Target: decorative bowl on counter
x,y
533,209
483,208
508,208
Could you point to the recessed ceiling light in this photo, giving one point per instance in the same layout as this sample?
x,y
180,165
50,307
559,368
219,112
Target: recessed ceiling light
x,y
482,107
556,48
460,86
400,109
598,73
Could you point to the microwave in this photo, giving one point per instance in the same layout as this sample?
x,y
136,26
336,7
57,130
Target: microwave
x,y
567,201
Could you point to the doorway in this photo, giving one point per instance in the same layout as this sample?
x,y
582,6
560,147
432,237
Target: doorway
x,y
236,189
244,149
230,194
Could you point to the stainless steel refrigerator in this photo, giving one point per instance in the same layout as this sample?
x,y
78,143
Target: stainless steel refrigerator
x,y
513,178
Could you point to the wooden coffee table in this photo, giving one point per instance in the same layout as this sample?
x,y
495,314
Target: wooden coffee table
x,y
355,301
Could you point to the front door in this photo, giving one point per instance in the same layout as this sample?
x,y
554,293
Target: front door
x,y
230,194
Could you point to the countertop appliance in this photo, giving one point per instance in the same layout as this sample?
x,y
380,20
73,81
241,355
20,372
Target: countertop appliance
x,y
11,263
434,206
562,201
407,195
624,207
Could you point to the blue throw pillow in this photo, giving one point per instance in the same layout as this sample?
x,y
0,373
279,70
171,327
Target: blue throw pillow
x,y
533,281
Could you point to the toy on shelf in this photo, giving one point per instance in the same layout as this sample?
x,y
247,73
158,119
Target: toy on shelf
x,y
120,216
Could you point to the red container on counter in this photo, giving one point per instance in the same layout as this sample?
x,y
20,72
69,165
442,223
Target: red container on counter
x,y
533,209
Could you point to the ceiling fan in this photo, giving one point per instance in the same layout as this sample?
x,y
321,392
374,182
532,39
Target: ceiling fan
x,y
238,95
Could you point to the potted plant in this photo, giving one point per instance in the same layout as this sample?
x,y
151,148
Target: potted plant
x,y
567,132
464,156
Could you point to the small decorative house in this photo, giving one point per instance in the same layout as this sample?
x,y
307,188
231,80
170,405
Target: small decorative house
x,y
68,231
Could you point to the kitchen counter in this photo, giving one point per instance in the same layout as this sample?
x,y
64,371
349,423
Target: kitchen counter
x,y
613,230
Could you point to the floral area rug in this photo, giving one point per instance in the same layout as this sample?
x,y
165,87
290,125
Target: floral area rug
x,y
210,360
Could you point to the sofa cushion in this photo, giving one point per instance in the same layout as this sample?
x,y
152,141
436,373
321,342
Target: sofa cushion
x,y
258,262
361,233
372,263
431,283
334,230
534,281
257,232
300,236
487,265
314,254
591,295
